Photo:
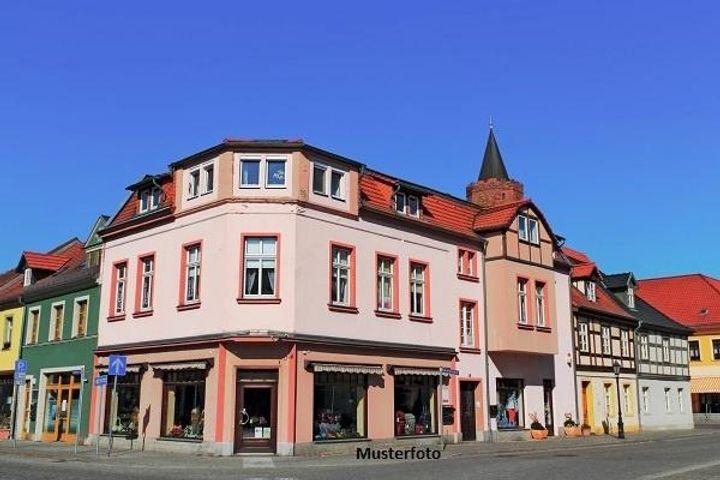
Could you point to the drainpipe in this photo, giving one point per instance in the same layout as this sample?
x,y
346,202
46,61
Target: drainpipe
x,y
487,355
574,350
637,373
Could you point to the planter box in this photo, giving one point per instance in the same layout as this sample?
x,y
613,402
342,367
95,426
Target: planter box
x,y
538,434
572,431
4,433
586,432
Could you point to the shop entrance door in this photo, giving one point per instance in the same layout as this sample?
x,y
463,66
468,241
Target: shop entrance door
x,y
548,406
467,410
62,408
586,403
256,412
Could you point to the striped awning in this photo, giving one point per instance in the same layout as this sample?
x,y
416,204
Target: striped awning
x,y
346,368
705,385
169,367
418,371
130,369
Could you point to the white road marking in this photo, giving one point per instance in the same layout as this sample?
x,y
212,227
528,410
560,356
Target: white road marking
x,y
679,471
258,462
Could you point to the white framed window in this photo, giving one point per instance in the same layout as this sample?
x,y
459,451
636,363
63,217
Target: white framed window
x,y
583,337
644,352
337,184
645,399
147,278
539,304
400,202
680,401
260,259
208,181
329,181
666,349
590,290
249,173
7,332
27,277
466,262
522,301
467,324
341,257
193,259
668,401
149,199
417,289
120,281
607,390
631,297
319,182
624,343
522,227
57,317
626,399
80,316
533,233
33,326
413,206
385,273
275,172
194,183
605,337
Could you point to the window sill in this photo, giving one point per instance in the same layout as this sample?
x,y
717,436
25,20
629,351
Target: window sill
x,y
207,193
116,318
188,306
525,326
469,278
543,329
386,314
342,440
470,350
144,313
342,308
420,318
178,439
259,301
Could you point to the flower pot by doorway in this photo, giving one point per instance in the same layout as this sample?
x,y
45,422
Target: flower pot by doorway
x,y
572,431
586,430
4,433
538,434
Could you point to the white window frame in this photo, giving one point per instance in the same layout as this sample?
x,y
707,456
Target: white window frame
x,y
606,340
417,286
149,277
583,336
8,326
681,402
624,343
540,304
409,209
626,392
208,177
631,297
533,231
192,273
591,290
284,161
398,196
262,259
194,183
607,395
29,340
644,347
76,315
120,288
385,277
523,227
27,277
342,194
646,399
522,301
324,169
250,159
666,350
149,199
668,401
53,321
467,324
341,270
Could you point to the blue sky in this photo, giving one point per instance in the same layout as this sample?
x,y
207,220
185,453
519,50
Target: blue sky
x,y
607,111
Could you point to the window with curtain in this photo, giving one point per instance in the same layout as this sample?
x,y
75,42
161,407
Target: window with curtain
x,y
260,266
417,289
522,301
192,274
385,270
467,324
148,275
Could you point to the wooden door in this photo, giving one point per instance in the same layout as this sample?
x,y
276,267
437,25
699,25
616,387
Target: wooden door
x,y
467,410
586,403
255,418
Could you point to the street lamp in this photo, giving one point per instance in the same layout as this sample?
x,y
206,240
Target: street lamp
x,y
621,427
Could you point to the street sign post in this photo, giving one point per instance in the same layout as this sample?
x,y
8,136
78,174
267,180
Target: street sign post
x,y
100,381
80,372
21,367
117,367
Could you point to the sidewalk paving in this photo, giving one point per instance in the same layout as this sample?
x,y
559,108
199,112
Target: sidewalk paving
x,y
56,452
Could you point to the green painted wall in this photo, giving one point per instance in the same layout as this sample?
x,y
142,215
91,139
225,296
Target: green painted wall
x,y
66,352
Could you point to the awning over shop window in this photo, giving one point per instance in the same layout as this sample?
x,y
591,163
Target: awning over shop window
x,y
345,368
705,385
418,371
130,369
169,367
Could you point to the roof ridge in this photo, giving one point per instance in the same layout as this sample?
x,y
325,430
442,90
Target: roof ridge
x,y
667,277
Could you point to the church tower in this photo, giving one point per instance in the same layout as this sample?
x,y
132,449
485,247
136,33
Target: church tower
x,y
494,187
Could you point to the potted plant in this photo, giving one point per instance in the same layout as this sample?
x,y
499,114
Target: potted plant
x,y
571,428
4,426
585,429
537,430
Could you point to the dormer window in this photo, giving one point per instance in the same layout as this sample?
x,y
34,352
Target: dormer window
x,y
27,277
590,292
328,180
201,180
631,297
194,183
407,204
528,229
149,199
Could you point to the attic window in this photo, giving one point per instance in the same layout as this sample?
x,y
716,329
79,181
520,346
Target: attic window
x,y
407,204
28,277
631,297
149,199
528,229
590,292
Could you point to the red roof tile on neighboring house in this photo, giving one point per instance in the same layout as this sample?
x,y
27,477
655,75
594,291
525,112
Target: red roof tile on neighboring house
x,y
131,207
605,303
582,265
692,300
44,261
576,255
499,217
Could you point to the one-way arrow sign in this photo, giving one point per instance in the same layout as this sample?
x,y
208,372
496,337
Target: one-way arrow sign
x,y
117,365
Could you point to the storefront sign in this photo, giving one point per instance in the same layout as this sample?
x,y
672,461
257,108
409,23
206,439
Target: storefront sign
x,y
445,394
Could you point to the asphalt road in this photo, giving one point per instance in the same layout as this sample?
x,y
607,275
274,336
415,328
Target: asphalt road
x,y
696,458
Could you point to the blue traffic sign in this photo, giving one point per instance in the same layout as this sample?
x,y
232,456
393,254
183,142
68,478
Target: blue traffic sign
x,y
450,371
21,365
117,365
101,380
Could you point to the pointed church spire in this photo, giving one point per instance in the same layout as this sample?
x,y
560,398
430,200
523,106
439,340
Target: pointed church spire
x,y
492,166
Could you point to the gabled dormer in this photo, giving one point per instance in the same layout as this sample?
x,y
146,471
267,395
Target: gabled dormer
x,y
623,286
584,273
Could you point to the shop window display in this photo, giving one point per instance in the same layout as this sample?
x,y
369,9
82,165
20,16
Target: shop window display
x,y
6,392
184,404
339,406
126,411
509,403
415,405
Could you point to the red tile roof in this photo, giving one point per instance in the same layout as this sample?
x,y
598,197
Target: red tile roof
x,y
605,303
438,210
692,300
576,255
582,265
499,217
131,207
44,261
